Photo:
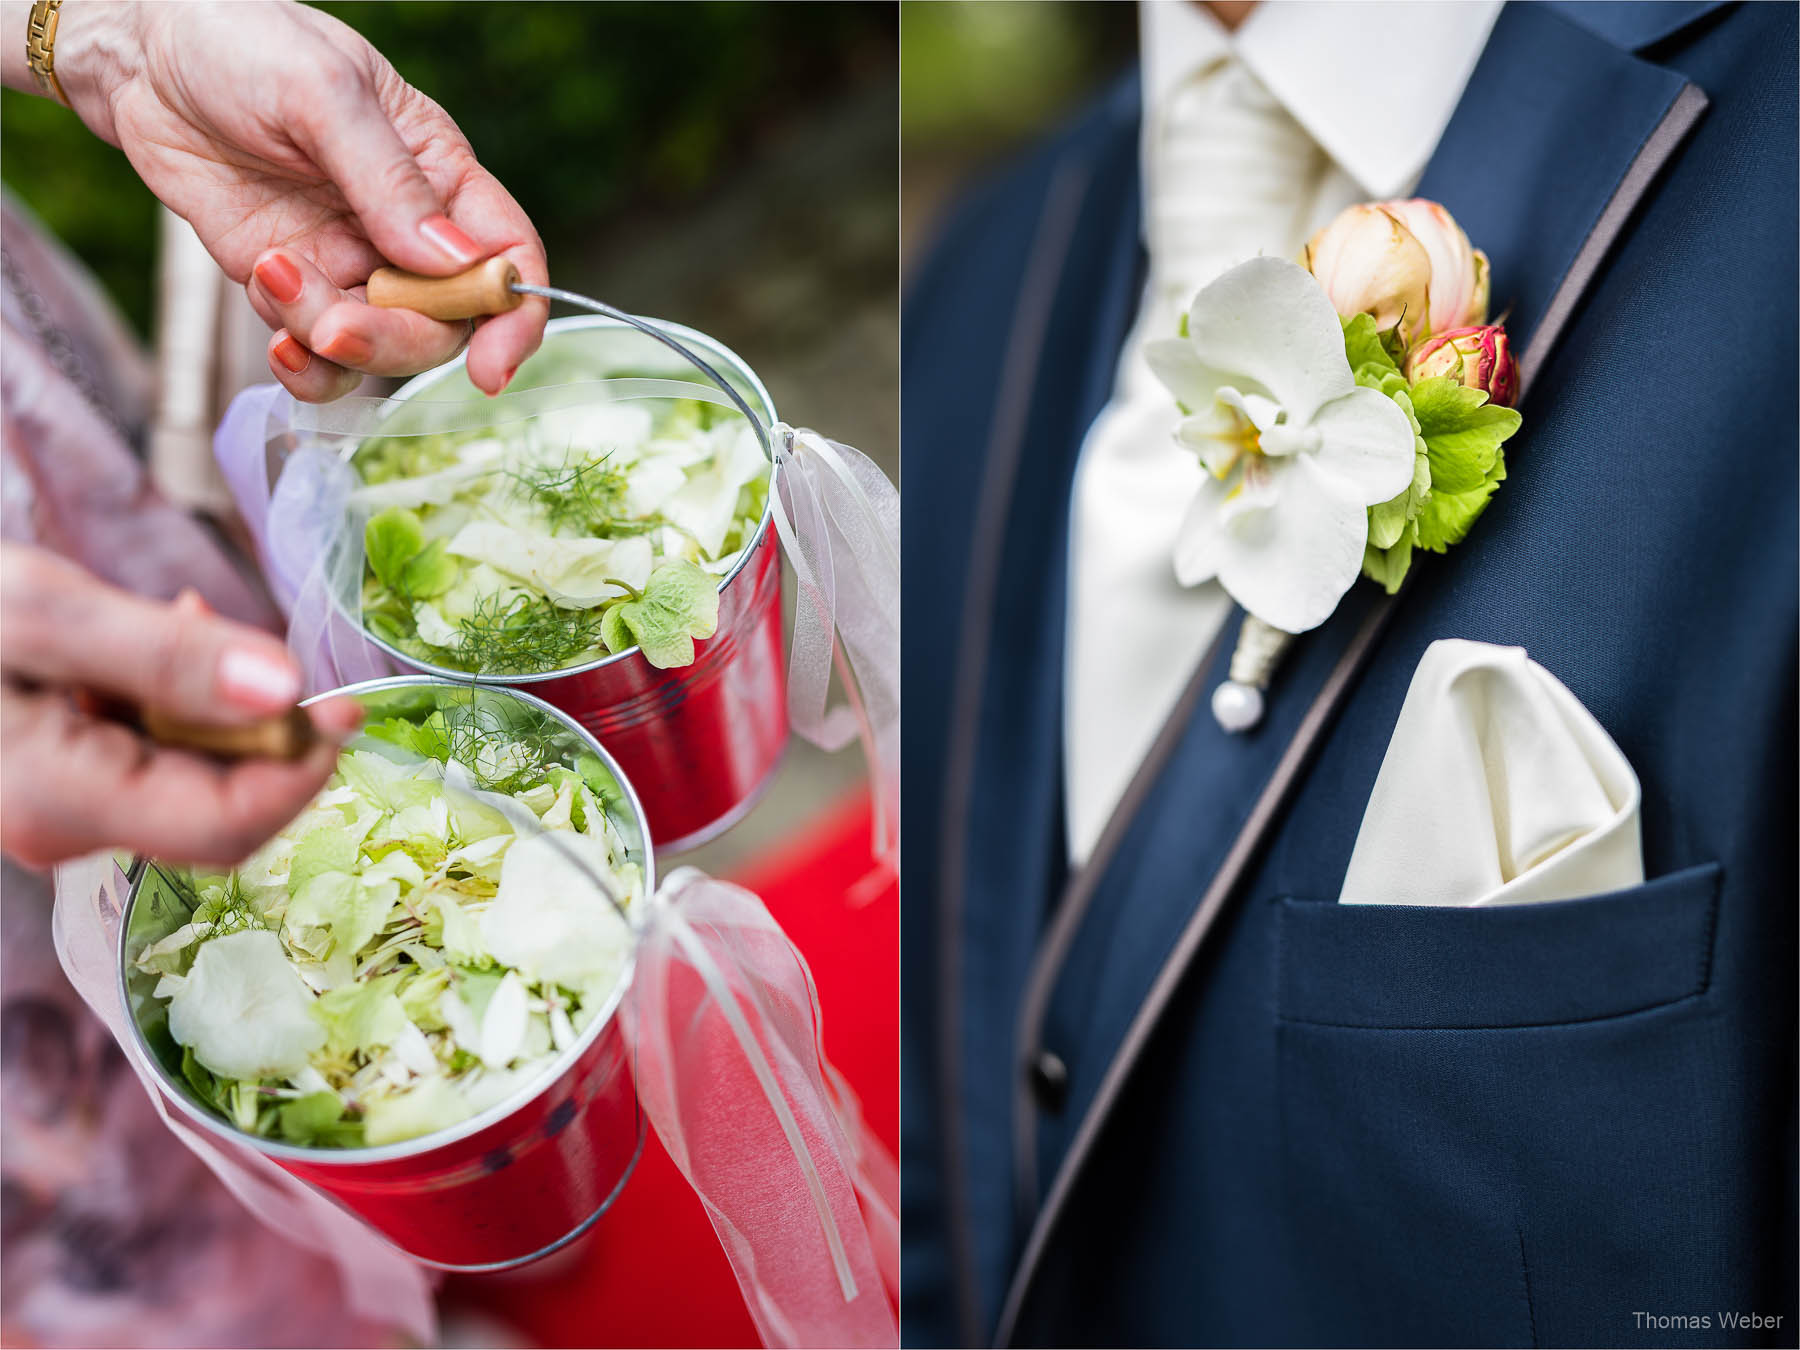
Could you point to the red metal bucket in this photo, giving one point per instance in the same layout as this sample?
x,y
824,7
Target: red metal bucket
x,y
700,742
507,1186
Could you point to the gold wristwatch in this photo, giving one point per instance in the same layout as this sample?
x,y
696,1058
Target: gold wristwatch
x,y
40,48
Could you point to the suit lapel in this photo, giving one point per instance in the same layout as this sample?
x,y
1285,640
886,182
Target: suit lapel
x,y
1001,805
1559,136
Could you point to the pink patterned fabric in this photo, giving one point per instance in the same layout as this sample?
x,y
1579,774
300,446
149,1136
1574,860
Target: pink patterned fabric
x,y
111,1232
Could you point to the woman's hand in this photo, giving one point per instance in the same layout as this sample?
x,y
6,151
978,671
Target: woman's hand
x,y
304,162
71,782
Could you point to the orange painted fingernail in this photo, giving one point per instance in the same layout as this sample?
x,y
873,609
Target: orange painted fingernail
x,y
280,278
448,240
347,349
291,354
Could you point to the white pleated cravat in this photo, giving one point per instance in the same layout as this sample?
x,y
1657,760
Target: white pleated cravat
x,y
1229,175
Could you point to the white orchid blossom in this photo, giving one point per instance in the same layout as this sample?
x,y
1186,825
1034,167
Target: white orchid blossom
x,y
1295,451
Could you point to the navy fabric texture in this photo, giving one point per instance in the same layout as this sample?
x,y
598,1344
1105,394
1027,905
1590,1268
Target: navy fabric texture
x,y
1386,1125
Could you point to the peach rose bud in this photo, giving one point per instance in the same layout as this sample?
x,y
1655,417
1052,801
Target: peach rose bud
x,y
1369,263
1459,272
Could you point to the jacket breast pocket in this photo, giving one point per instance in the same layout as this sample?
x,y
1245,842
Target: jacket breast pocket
x,y
1502,1118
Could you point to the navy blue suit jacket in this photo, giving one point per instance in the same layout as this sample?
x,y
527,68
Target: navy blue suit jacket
x,y
1182,1097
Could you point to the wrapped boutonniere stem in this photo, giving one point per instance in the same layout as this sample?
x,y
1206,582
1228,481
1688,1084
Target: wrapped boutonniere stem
x,y
1347,413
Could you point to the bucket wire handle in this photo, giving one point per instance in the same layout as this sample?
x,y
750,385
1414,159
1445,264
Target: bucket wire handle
x,y
494,287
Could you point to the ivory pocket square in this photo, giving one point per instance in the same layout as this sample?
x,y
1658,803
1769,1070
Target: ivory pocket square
x,y
1498,788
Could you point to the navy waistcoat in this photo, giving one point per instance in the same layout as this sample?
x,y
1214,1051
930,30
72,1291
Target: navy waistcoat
x,y
1183,1098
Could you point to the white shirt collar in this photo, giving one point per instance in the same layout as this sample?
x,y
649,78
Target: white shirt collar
x,y
1373,82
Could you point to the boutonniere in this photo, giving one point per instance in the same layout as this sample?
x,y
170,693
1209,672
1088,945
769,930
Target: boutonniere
x,y
1347,413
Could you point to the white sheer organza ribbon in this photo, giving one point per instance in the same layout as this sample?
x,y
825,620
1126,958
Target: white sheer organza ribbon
x,y
294,494
839,521
380,1284
835,512
724,1025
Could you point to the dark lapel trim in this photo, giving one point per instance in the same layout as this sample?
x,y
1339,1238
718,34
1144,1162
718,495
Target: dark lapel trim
x,y
1024,350
1670,131
1657,150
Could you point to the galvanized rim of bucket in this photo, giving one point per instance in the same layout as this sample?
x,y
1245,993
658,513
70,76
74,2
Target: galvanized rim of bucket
x,y
425,1143
712,347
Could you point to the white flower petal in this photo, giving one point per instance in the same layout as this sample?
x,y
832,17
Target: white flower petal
x,y
464,1029
1256,489
569,571
562,1033
1366,444
1216,435
651,483
243,1009
434,1103
396,866
549,920
475,459
1200,543
503,1023
633,559
592,429
310,1079
434,627
1259,410
707,502
1290,566
1177,364
1269,320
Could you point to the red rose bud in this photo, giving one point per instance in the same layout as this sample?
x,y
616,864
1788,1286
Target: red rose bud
x,y
1480,358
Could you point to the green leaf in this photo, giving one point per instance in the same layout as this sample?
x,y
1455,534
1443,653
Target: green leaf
x,y
1389,520
429,738
601,782
207,1085
394,541
1389,566
318,1119
391,539
419,997
1448,516
1367,352
432,1104
361,1016
680,603
1463,432
384,784
350,909
461,932
432,571
325,849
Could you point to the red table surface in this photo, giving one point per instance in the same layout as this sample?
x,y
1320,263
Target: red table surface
x,y
652,1272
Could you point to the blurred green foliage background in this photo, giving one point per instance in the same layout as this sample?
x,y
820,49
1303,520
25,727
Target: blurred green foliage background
x,y
978,77
974,71
583,110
